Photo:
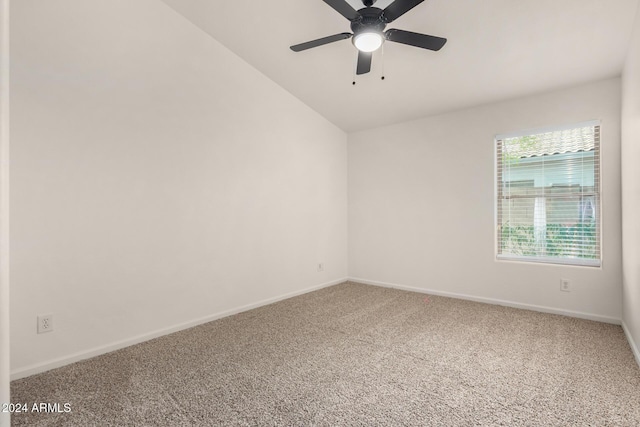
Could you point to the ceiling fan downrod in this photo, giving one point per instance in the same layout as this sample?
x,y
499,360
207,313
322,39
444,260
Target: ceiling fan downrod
x,y
368,3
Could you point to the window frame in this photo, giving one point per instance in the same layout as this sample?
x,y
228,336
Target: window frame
x,y
563,261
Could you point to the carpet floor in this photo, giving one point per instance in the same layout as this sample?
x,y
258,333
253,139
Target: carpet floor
x,y
355,355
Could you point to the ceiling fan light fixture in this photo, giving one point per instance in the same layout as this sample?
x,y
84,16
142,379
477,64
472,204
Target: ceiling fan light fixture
x,y
368,33
368,41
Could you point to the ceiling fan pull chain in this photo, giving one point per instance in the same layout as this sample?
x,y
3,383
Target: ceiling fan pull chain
x,y
382,60
355,66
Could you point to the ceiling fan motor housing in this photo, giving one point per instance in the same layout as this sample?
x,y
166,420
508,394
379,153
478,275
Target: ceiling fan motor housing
x,y
370,20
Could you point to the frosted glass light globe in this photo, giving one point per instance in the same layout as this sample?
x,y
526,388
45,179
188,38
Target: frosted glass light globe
x,y
367,42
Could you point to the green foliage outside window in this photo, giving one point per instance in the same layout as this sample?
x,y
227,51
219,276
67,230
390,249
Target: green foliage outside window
x,y
560,241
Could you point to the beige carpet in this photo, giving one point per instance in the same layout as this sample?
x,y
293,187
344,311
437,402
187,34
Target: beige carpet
x,y
356,355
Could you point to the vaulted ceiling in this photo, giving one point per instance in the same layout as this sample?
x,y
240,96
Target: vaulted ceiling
x,y
496,50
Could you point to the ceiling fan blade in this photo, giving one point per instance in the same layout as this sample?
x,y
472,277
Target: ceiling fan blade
x,y
343,8
415,39
364,62
320,42
398,8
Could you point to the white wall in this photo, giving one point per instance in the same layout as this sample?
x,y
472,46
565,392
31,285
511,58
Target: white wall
x,y
157,180
631,191
421,205
5,417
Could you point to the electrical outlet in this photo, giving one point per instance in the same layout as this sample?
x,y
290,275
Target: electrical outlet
x,y
320,266
565,285
45,323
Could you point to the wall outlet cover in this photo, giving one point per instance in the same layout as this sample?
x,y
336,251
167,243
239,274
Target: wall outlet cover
x,y
45,323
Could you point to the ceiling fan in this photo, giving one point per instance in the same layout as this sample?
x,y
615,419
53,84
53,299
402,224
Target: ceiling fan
x,y
368,26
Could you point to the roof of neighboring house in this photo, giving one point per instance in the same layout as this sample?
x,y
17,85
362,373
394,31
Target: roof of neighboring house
x,y
549,143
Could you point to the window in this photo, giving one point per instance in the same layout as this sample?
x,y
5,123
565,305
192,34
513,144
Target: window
x,y
548,196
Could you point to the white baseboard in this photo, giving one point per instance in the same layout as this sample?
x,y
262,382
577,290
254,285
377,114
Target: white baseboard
x,y
97,351
494,301
632,343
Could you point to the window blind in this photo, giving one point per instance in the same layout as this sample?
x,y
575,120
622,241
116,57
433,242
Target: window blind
x,y
548,196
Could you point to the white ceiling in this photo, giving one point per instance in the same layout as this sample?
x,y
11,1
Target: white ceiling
x,y
497,49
